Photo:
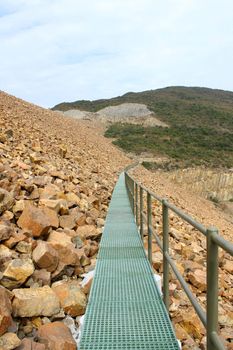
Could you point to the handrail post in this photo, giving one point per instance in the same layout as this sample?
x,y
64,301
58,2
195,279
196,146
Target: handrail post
x,y
165,250
212,287
149,227
136,203
141,212
133,194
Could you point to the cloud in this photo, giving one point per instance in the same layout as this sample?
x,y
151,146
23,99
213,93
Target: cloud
x,y
59,50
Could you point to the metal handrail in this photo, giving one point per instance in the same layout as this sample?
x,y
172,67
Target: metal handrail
x,y
210,317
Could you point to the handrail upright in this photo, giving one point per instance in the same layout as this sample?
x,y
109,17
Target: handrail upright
x,y
165,251
210,318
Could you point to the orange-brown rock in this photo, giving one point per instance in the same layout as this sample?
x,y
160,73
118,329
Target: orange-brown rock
x,y
198,279
88,232
29,344
56,336
68,221
38,220
17,272
9,341
72,199
192,325
157,260
42,277
14,239
50,191
5,311
6,200
59,205
5,231
72,299
228,266
45,256
35,302
62,243
59,237
5,254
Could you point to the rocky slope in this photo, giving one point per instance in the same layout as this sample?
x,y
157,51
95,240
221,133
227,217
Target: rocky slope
x,y
56,178
188,249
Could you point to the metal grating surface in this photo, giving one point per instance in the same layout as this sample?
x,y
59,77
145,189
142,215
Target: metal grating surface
x,y
125,310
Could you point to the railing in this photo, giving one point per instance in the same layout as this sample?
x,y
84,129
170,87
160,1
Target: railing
x,y
209,318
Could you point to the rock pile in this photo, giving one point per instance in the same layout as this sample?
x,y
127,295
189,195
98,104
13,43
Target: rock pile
x,y
187,246
56,179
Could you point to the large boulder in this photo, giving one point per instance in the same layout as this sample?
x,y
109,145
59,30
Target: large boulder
x,y
62,243
45,256
17,272
5,311
35,302
72,299
56,336
38,220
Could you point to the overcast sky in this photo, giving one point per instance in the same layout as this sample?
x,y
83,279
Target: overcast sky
x,y
65,50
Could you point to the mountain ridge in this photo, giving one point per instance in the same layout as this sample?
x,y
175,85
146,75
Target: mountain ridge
x,y
95,105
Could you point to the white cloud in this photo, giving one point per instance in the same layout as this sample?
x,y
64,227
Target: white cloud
x,y
56,50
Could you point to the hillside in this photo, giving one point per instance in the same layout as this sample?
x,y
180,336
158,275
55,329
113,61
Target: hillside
x,y
56,180
200,124
193,106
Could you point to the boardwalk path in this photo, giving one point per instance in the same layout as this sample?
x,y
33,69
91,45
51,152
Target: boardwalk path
x,y
125,309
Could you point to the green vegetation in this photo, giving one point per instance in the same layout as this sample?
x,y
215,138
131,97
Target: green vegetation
x,y
174,105
200,120
187,146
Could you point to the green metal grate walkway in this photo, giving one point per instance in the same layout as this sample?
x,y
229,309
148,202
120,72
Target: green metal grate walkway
x,y
125,309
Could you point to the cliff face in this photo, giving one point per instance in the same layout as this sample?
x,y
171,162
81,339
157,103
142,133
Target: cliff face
x,y
208,183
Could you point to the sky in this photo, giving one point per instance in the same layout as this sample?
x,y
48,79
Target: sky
x,y
65,50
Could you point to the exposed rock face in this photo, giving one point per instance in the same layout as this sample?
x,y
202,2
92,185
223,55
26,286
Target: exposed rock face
x,y
35,302
17,272
5,311
72,299
38,220
56,336
134,113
